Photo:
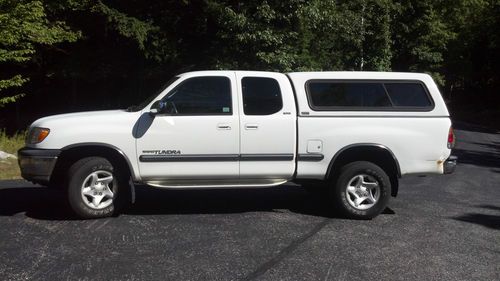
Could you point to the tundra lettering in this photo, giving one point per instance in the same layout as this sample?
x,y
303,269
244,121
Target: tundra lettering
x,y
162,152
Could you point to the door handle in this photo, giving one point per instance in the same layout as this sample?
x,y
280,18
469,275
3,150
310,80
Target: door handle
x,y
251,126
223,127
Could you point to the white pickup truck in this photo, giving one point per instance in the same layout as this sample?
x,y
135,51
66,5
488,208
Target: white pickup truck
x,y
356,132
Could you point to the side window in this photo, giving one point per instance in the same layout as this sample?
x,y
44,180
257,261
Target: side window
x,y
323,95
261,96
201,95
408,94
368,95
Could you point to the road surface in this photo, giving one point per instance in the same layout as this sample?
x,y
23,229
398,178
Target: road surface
x,y
438,228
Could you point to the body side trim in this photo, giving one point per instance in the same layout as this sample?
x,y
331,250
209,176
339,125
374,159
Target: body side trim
x,y
216,157
189,158
310,157
266,157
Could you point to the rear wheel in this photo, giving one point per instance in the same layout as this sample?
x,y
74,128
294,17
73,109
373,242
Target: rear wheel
x,y
362,190
95,187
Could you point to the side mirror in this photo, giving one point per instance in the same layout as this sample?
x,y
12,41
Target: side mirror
x,y
157,108
163,107
153,111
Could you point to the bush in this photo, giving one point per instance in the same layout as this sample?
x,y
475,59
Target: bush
x,y
10,144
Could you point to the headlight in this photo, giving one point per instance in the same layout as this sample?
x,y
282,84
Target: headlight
x,y
37,135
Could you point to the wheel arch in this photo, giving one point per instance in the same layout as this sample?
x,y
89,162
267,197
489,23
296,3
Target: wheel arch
x,y
72,153
376,153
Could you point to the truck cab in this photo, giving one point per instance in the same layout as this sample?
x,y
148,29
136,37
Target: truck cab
x,y
218,128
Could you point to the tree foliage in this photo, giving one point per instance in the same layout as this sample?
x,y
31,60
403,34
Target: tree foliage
x,y
125,48
24,26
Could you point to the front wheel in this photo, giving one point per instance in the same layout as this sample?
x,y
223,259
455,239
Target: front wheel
x,y
94,188
362,190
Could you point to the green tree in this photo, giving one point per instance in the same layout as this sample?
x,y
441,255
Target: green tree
x,y
346,35
472,61
23,27
421,36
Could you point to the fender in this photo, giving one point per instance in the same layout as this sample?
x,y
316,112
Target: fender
x,y
372,145
134,176
127,160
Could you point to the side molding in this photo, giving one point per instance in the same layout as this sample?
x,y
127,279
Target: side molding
x,y
311,157
216,157
190,158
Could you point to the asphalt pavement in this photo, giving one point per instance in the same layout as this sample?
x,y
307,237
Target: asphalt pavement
x,y
438,228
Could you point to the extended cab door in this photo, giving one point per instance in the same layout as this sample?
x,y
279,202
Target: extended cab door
x,y
197,135
267,126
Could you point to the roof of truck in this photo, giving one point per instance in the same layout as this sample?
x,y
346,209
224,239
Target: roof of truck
x,y
358,75
327,74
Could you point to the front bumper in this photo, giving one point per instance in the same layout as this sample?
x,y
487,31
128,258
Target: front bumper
x,y
37,164
450,164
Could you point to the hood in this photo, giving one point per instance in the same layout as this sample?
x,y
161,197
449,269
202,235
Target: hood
x,y
110,126
77,117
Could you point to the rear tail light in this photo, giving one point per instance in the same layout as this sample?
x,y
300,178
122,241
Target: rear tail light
x,y
451,138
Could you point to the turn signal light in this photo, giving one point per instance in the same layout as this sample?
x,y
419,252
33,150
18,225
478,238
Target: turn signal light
x,y
37,135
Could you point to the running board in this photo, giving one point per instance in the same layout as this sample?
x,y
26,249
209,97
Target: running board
x,y
215,184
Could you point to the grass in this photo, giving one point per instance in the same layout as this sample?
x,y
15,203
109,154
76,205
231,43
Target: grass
x,y
9,168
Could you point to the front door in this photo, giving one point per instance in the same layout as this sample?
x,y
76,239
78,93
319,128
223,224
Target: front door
x,y
196,136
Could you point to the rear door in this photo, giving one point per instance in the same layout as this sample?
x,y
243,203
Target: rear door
x,y
267,125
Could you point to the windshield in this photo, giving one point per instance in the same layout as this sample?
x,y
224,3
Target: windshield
x,y
147,101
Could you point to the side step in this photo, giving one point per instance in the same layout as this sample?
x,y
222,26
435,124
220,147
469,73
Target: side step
x,y
215,184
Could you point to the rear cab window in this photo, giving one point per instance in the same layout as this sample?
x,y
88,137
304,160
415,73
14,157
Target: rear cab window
x,y
359,95
261,96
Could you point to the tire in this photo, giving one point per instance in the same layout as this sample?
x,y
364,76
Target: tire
x,y
361,191
95,188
